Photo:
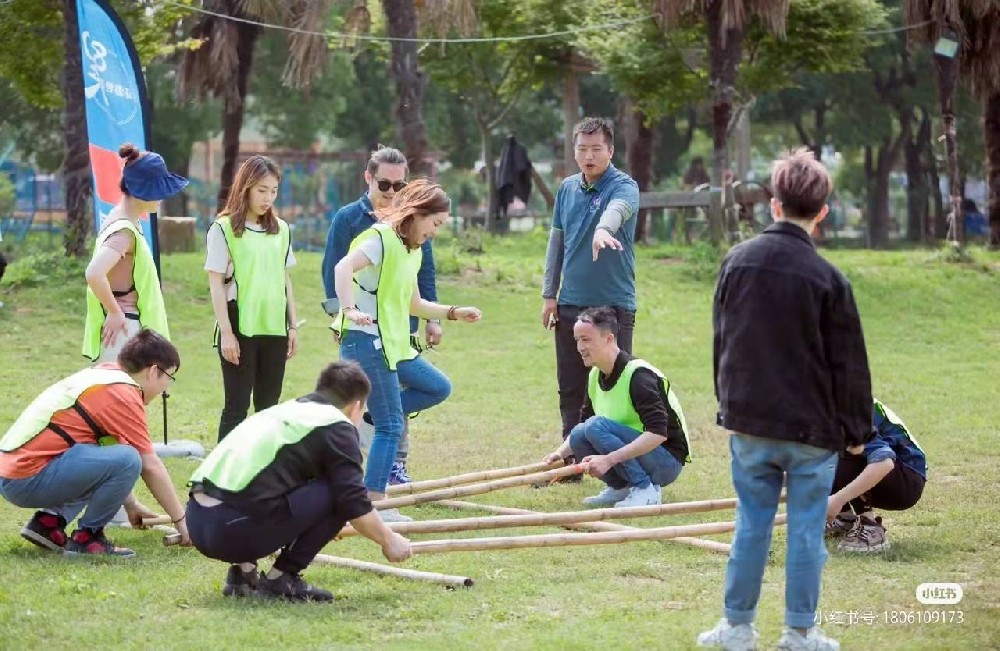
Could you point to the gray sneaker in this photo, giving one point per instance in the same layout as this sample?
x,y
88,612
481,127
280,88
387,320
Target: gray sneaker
x,y
606,497
813,640
393,515
742,637
839,527
867,536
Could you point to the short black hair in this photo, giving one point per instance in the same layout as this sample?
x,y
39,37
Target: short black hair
x,y
593,125
603,318
148,348
344,382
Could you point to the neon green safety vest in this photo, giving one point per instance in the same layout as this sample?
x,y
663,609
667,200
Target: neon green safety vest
x,y
891,416
616,404
61,395
152,313
255,443
259,273
396,282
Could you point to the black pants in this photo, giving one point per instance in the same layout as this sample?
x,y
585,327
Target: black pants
x,y
570,371
898,491
223,533
261,372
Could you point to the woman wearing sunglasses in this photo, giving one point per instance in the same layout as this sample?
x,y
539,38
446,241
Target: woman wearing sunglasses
x,y
377,287
385,175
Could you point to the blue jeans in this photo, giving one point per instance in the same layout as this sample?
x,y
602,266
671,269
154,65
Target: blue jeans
x,y
425,387
759,465
95,477
599,435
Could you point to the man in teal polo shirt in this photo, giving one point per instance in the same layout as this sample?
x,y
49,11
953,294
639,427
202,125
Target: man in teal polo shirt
x,y
590,259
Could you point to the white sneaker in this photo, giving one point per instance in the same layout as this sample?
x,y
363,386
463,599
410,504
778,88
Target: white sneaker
x,y
393,515
641,496
742,637
120,518
606,497
813,640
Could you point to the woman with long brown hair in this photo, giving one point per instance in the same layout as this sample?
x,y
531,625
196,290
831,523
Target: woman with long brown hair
x,y
249,254
376,285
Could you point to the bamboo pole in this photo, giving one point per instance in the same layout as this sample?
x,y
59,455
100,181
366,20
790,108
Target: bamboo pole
x,y
710,545
552,519
160,519
476,489
468,478
570,539
416,575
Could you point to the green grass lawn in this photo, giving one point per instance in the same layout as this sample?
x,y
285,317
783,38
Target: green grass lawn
x,y
933,333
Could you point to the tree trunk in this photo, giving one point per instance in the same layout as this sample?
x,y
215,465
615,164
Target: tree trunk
x,y
947,75
492,209
917,193
571,115
939,226
724,51
879,200
232,114
991,128
177,205
76,166
640,160
401,18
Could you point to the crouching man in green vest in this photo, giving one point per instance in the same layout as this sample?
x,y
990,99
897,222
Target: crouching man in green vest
x,y
81,445
632,434
288,478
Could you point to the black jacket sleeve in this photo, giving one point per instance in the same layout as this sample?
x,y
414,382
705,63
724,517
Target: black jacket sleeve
x,y
844,344
341,453
650,402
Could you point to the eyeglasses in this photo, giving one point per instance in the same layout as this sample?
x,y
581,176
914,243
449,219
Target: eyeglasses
x,y
173,378
385,184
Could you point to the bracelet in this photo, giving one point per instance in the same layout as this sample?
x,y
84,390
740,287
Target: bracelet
x,y
179,519
451,313
604,227
349,307
291,327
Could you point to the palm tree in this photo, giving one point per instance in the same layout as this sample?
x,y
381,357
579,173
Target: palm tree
x,y
404,20
221,67
725,22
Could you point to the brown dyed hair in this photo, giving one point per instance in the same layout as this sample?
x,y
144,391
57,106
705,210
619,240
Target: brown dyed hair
x,y
131,154
344,382
593,125
248,175
385,155
148,348
418,199
801,183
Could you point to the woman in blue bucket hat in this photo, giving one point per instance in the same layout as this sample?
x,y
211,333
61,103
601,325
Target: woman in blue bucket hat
x,y
123,289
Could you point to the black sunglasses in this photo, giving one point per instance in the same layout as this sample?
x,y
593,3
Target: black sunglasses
x,y
384,185
172,377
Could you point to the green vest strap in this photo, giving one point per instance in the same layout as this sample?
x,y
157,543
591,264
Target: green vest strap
x,y
61,395
255,443
152,312
259,273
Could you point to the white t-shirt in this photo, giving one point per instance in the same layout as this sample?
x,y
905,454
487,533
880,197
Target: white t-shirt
x,y
367,278
217,257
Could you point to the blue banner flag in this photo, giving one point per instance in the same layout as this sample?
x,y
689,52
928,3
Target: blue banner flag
x,y
116,105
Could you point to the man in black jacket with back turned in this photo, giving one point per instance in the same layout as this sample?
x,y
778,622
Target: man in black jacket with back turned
x,y
794,390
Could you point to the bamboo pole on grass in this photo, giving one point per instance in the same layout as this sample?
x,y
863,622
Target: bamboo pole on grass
x,y
476,489
551,519
572,539
700,543
471,477
416,575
